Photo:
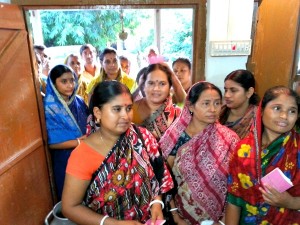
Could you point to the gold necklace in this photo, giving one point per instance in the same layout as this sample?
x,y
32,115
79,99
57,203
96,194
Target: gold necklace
x,y
105,145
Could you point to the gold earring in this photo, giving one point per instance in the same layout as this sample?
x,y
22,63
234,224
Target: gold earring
x,y
98,121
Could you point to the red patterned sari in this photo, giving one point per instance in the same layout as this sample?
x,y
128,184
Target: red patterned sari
x,y
200,168
250,163
162,118
129,178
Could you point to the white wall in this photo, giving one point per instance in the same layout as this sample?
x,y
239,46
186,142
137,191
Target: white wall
x,y
226,20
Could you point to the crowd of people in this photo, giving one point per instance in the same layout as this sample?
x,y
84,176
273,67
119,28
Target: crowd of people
x,y
158,147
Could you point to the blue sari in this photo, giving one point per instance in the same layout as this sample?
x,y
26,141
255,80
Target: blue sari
x,y
64,122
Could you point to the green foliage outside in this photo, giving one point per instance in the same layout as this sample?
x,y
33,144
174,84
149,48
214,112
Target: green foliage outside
x,y
101,28
177,40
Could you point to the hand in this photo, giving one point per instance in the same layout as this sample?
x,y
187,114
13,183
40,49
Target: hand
x,y
156,213
275,198
128,222
180,221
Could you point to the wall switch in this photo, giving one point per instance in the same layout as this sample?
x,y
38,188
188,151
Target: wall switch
x,y
230,48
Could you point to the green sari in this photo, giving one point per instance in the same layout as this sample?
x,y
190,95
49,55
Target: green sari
x,y
250,163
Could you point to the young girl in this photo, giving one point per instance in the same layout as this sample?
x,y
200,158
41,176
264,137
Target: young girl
x,y
66,117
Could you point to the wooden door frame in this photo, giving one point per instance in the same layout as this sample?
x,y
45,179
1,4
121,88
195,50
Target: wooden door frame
x,y
199,20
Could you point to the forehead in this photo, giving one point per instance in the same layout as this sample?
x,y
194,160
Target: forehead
x,y
232,84
157,75
66,75
284,100
88,50
110,56
180,64
209,94
124,60
122,99
73,58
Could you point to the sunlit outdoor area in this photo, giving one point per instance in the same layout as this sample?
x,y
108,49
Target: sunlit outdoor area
x,y
130,31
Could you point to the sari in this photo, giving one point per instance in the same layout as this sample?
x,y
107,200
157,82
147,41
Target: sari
x,y
82,86
159,121
64,121
250,163
243,125
131,175
200,167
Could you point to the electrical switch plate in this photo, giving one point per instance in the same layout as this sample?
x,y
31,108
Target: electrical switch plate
x,y
230,48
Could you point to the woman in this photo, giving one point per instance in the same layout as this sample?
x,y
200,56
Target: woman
x,y
241,101
272,143
66,116
111,70
156,110
73,61
110,175
182,68
197,149
139,92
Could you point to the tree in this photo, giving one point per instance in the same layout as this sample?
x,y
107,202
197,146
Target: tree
x,y
76,27
176,40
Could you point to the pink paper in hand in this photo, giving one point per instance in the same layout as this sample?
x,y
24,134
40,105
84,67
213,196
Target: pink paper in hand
x,y
157,222
277,180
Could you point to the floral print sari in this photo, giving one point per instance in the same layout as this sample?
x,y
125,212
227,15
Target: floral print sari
x,y
250,163
129,178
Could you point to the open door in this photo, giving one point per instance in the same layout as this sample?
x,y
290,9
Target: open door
x,y
25,190
275,43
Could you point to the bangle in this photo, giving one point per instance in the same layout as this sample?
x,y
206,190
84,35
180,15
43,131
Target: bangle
x,y
157,201
103,219
221,222
173,209
78,141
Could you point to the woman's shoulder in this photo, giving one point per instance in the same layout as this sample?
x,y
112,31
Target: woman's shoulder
x,y
147,135
226,131
80,100
141,130
127,80
85,148
84,161
141,111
